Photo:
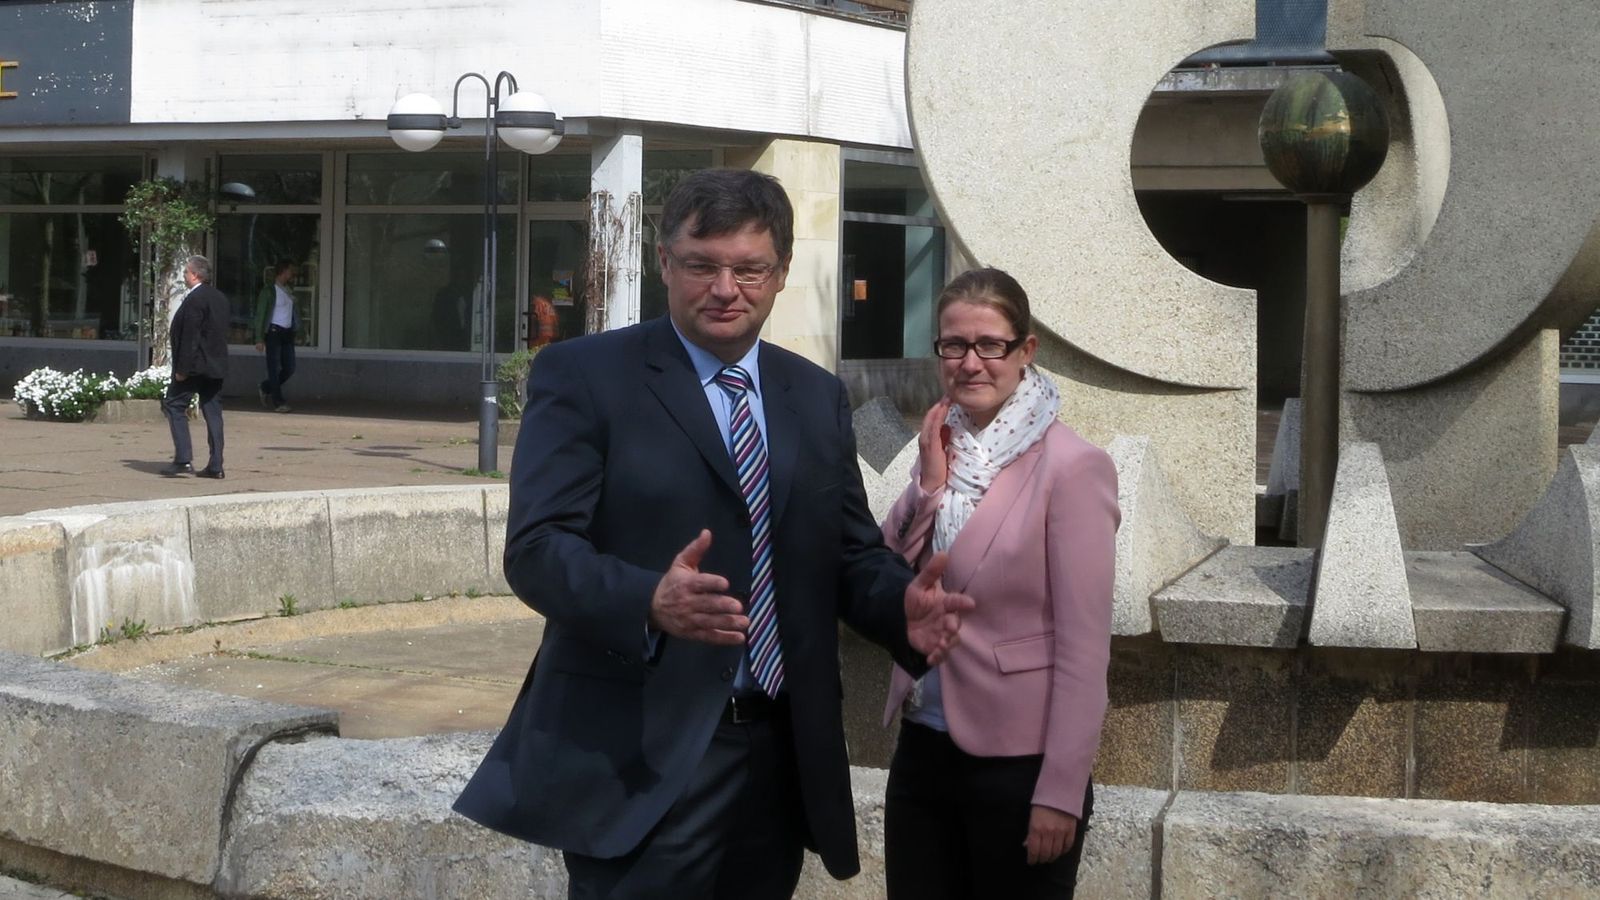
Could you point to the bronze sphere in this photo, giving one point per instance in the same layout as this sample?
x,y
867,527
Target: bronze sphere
x,y
1324,133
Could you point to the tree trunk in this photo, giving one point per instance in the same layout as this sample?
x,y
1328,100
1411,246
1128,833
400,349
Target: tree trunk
x,y
170,286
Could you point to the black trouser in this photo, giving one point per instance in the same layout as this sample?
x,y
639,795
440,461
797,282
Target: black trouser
x,y
279,342
955,824
176,406
737,833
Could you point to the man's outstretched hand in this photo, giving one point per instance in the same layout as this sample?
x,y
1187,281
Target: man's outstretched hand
x,y
692,604
933,617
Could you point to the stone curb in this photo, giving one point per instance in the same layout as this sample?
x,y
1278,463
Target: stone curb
x,y
68,574
131,773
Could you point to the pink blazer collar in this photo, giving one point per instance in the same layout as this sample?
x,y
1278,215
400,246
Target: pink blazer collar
x,y
972,544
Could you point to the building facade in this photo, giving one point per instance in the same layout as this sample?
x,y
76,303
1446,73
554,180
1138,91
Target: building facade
x,y
278,109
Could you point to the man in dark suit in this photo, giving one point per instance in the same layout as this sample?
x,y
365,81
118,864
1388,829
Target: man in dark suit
x,y
687,514
199,363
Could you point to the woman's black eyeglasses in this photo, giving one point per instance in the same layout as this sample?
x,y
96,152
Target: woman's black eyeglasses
x,y
988,348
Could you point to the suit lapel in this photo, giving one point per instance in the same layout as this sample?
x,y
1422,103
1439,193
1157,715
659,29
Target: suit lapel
x,y
972,544
783,431
670,376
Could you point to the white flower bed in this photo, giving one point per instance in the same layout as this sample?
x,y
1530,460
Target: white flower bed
x,y
72,396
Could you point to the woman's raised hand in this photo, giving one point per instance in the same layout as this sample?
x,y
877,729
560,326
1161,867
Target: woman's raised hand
x,y
933,446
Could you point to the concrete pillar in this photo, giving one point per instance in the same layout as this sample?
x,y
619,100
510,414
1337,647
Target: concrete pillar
x,y
616,174
806,317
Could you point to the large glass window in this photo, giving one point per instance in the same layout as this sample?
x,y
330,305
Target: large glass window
x,y
556,299
71,181
558,177
68,268
269,212
411,281
413,243
893,248
425,179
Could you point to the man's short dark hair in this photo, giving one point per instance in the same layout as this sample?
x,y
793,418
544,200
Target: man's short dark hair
x,y
723,201
285,263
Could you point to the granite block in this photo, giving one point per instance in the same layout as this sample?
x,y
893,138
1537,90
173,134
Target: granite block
x,y
1459,602
496,507
1156,542
33,587
1136,744
1360,597
1564,756
1255,845
1241,596
1556,549
1234,718
132,773
1353,723
1471,740
127,562
251,550
394,543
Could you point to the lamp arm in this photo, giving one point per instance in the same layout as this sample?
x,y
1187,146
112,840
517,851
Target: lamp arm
x,y
455,97
509,80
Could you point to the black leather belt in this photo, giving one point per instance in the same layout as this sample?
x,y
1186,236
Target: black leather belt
x,y
746,708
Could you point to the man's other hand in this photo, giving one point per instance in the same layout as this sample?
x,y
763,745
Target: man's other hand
x,y
933,617
692,604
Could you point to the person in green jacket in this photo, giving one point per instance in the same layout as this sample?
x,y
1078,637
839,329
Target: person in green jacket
x,y
276,320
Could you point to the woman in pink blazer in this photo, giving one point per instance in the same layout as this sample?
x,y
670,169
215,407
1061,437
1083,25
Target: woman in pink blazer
x,y
989,789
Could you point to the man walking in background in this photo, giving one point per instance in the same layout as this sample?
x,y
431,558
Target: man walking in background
x,y
199,363
276,320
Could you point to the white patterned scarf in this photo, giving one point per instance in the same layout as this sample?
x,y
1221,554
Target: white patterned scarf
x,y
976,458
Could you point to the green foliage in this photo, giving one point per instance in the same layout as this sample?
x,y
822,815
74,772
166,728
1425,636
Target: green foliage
x,y
172,215
512,374
288,606
347,603
129,630
479,473
474,592
417,598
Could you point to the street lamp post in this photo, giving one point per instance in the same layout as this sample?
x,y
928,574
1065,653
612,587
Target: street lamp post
x,y
417,122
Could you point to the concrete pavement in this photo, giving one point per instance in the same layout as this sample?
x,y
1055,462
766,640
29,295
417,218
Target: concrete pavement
x,y
45,465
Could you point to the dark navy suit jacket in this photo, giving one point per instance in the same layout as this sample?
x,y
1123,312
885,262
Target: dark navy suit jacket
x,y
619,464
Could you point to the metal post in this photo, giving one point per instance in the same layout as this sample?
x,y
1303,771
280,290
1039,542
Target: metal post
x,y
1319,427
489,402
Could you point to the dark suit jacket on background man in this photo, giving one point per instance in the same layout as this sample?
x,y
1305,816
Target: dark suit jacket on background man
x,y
199,350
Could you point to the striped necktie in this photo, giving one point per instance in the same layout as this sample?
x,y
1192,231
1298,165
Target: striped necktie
x,y
750,458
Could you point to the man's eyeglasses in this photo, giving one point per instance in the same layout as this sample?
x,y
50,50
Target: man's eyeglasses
x,y
988,348
700,270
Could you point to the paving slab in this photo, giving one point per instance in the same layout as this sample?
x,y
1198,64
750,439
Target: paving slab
x,y
393,683
372,703
58,464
